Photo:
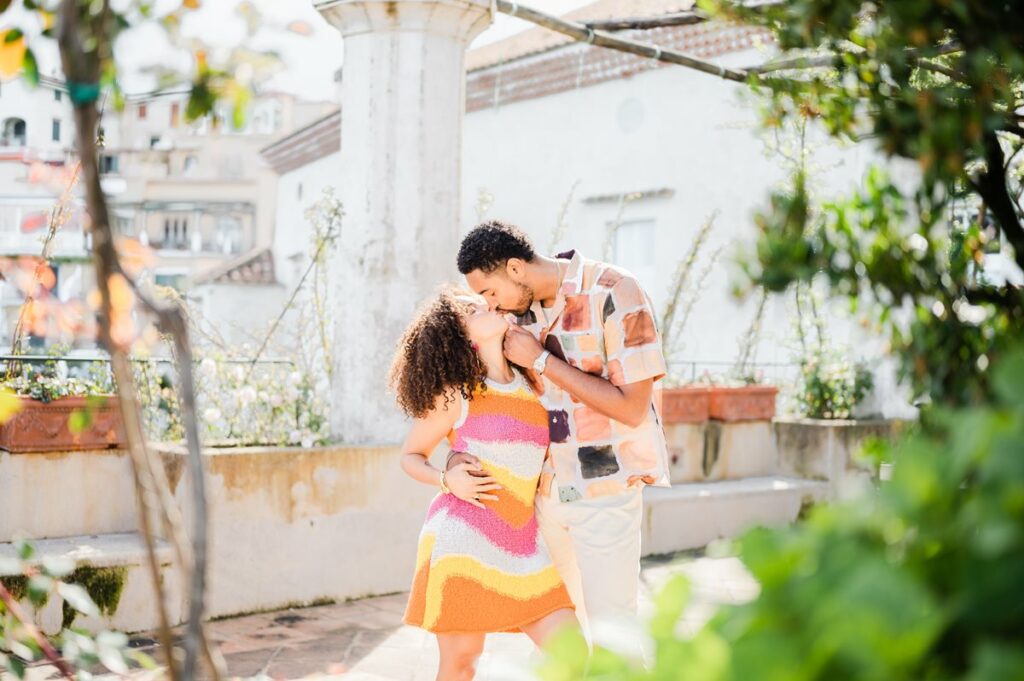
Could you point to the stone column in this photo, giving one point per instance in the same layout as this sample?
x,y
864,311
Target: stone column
x,y
402,104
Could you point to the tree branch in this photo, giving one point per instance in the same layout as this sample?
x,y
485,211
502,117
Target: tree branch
x,y
991,185
582,33
84,43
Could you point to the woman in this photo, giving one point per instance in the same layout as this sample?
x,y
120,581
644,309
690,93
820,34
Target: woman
x,y
481,566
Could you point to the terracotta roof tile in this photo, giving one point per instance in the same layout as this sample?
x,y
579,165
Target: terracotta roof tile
x,y
254,267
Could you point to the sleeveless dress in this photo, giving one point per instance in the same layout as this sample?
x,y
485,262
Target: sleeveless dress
x,y
486,569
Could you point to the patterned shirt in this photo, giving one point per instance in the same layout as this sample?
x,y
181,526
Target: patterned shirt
x,y
601,322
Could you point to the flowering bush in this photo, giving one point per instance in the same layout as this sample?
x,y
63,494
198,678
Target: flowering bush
x,y
830,385
237,403
53,380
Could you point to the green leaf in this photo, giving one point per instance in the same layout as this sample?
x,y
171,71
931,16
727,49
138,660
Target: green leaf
x,y
24,549
144,660
78,598
669,606
16,666
1008,379
39,589
13,34
31,67
79,420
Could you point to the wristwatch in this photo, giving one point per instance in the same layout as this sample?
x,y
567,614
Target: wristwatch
x,y
541,361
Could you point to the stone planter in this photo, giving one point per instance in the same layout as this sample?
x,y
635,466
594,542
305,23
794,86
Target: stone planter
x,y
44,426
746,403
819,449
688,404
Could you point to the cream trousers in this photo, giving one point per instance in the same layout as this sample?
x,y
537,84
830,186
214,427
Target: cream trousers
x,y
595,545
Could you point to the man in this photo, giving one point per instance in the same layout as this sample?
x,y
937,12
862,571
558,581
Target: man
x,y
587,328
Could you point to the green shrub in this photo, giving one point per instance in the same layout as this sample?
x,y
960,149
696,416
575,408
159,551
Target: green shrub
x,y
920,579
831,386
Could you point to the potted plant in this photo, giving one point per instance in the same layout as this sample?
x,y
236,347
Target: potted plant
x,y
743,396
60,412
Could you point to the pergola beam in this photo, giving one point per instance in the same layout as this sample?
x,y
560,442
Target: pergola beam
x,y
583,33
646,23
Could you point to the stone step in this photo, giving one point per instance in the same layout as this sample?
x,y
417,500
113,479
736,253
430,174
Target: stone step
x,y
121,584
693,515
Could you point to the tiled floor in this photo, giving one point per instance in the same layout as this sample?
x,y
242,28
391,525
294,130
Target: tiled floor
x,y
366,641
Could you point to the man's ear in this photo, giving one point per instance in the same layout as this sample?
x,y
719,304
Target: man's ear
x,y
515,268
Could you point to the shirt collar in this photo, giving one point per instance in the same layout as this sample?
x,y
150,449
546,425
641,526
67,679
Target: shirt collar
x,y
570,286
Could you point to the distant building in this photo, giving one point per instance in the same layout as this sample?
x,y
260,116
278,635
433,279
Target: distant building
x,y
199,193
36,141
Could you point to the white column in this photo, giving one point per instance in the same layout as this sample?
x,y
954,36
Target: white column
x,y
402,103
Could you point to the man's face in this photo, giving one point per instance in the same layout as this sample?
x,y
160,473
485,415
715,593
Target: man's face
x,y
501,291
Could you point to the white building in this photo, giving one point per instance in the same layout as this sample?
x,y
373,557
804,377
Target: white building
x,y
198,192
36,168
639,154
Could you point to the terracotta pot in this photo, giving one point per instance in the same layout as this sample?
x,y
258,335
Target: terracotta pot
x,y
688,404
747,403
43,427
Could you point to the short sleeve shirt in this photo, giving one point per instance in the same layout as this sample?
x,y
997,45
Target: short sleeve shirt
x,y
603,323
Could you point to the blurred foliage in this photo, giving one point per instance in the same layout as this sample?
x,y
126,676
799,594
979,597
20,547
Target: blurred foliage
x,y
27,583
939,84
918,579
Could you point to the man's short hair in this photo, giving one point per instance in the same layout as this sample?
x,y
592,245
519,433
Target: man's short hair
x,y
490,244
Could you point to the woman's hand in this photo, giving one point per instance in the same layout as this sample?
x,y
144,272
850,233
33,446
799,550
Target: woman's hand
x,y
465,481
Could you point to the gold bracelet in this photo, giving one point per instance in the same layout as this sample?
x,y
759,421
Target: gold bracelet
x,y
444,485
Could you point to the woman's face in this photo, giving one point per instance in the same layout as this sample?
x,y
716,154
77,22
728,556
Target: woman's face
x,y
482,323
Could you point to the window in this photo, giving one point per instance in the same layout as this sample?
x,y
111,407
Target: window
x,y
298,191
634,242
109,164
175,281
153,141
228,235
57,95
189,165
142,111
55,130
14,132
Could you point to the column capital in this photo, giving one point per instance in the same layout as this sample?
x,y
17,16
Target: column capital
x,y
458,19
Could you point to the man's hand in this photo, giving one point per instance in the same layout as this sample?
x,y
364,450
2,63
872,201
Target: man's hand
x,y
456,457
521,347
467,483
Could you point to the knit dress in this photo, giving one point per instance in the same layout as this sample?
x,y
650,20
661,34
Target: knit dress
x,y
487,569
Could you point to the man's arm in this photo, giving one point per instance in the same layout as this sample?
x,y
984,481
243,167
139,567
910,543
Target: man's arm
x,y
626,404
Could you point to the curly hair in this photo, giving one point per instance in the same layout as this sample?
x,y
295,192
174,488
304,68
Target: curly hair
x,y
490,244
435,357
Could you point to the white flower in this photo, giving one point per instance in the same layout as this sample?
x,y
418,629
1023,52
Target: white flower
x,y
294,436
303,419
276,400
247,395
211,414
208,367
239,372
307,441
294,378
